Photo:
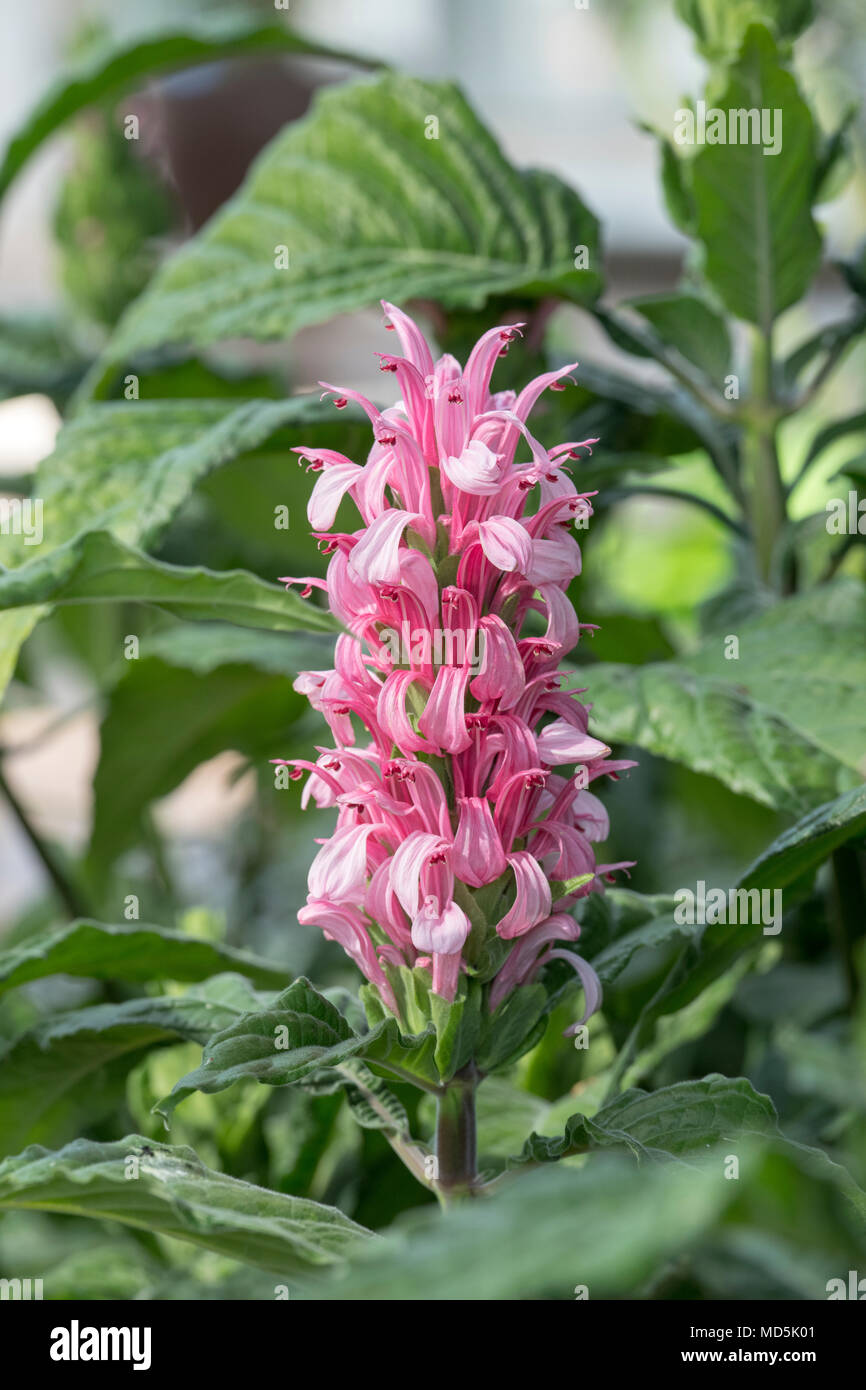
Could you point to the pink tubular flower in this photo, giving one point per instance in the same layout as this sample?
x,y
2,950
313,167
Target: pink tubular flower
x,y
458,848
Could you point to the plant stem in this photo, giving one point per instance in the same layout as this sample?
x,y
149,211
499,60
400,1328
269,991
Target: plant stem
x,y
456,1154
65,888
764,487
848,913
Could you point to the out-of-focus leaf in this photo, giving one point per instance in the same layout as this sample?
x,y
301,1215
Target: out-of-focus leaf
x,y
759,723
127,468
604,1227
115,67
53,1073
38,354
808,843
100,569
837,429
157,1187
181,719
134,952
688,323
720,25
110,215
205,647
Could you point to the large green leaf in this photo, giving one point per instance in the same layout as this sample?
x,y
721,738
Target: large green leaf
x,y
157,1187
603,1231
808,843
100,569
390,188
205,647
689,324
182,719
679,1119
754,214
784,723
127,468
132,952
621,923
116,67
605,1227
38,354
299,1035
65,1065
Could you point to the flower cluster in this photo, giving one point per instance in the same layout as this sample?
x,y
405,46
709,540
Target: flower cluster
x,y
457,845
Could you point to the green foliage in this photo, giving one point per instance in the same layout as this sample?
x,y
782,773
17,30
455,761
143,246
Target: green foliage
x,y
155,1187
381,204
171,506
111,210
111,68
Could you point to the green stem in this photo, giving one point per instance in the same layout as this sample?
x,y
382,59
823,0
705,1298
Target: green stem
x,y
456,1154
764,487
848,913
65,888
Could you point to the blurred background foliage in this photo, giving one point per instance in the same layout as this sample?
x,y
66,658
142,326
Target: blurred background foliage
x,y
175,445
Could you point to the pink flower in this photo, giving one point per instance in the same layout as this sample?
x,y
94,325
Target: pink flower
x,y
449,793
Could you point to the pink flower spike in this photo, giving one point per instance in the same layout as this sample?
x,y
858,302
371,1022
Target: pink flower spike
x,y
562,743
477,470
444,719
447,702
532,903
439,929
506,544
591,985
376,557
502,676
333,483
478,856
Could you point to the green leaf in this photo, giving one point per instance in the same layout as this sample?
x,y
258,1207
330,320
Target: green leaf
x,y
138,953
659,929
675,1120
114,68
127,468
38,354
759,723
720,25
458,1027
372,200
64,1065
204,648
807,844
754,215
687,323
182,719
833,339
372,1104
837,429
299,1035
157,1187
100,569
675,187
515,1027
606,1227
